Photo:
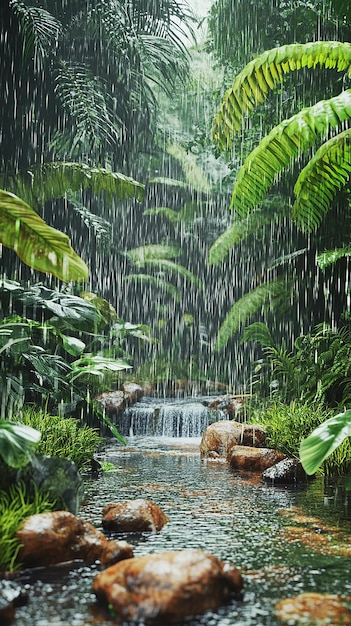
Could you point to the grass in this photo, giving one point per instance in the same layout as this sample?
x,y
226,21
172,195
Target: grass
x,y
15,506
63,437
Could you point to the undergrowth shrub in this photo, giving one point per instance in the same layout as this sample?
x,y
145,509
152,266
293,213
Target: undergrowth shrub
x,y
288,424
64,437
15,505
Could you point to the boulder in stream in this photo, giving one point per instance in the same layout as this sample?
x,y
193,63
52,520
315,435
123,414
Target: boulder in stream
x,y
286,472
133,516
221,436
314,608
253,459
60,536
167,587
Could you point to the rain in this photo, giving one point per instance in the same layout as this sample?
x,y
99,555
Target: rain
x,y
138,237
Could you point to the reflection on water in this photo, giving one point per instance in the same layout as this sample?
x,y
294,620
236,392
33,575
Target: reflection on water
x,y
212,508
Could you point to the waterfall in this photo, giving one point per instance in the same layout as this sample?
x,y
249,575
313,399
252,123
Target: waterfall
x,y
154,417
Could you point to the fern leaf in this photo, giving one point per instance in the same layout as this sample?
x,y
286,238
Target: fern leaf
x,y
258,332
266,294
41,183
263,73
172,267
152,252
328,257
327,172
38,245
155,281
284,143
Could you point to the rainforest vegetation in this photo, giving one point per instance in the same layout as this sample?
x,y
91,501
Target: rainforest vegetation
x,y
176,206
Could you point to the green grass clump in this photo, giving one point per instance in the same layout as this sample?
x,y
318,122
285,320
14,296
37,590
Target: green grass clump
x,y
15,506
63,437
287,424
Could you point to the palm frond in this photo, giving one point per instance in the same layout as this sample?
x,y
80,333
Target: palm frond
x,y
41,183
328,171
265,295
171,266
100,227
241,229
258,332
155,281
194,174
284,143
170,214
89,109
328,257
37,244
152,252
39,31
263,73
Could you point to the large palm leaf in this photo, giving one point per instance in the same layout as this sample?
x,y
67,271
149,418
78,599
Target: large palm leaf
x,y
265,295
37,244
261,75
284,143
318,182
41,183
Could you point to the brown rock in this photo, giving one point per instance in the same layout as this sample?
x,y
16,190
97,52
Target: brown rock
x,y
167,587
314,608
253,459
133,392
49,538
133,516
228,403
287,472
113,402
220,437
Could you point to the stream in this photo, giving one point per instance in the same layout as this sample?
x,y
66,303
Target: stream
x,y
213,508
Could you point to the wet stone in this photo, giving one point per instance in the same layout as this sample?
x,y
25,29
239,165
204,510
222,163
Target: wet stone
x,y
314,608
57,537
11,596
168,587
253,459
287,472
133,516
221,436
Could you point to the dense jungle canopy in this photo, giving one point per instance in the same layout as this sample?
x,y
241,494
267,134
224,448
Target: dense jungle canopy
x,y
131,88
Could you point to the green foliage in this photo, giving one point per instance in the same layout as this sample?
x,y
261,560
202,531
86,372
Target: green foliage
x,y
37,244
263,73
287,424
63,437
17,443
152,252
324,440
265,295
328,257
15,506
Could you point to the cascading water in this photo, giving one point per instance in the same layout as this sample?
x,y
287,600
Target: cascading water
x,y
168,418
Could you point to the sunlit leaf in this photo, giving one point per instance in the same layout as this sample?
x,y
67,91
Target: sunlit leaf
x,y
324,440
17,443
37,244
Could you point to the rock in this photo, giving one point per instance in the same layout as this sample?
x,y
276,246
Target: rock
x,y
229,403
49,538
220,437
314,608
133,392
287,472
253,459
133,516
11,596
57,477
167,587
115,402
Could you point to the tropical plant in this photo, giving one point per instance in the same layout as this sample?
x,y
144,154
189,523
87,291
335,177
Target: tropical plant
x,y
18,443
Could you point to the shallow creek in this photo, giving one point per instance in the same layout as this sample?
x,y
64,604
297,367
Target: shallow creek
x,y
259,528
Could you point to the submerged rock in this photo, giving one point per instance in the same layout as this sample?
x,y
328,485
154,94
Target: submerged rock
x,y
220,437
11,596
287,472
50,538
167,587
314,608
253,459
133,516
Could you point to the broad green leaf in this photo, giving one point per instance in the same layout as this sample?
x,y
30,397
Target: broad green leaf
x,y
194,174
73,345
41,183
151,252
175,268
267,294
262,74
17,443
286,142
324,440
95,365
328,171
155,281
38,245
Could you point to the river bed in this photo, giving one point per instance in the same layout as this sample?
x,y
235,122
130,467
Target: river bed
x,y
212,508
